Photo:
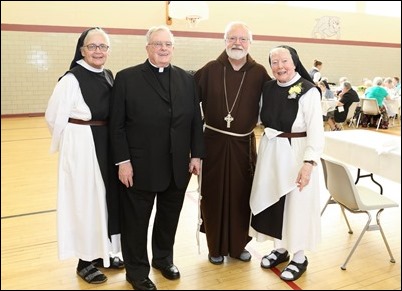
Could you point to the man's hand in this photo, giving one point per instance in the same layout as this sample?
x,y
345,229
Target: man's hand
x,y
126,174
195,166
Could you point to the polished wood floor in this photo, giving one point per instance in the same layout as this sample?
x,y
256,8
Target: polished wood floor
x,y
29,248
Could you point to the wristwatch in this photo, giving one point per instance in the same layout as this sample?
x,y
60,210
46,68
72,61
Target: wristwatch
x,y
310,162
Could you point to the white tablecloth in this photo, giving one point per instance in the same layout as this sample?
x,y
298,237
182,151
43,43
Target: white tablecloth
x,y
374,152
328,105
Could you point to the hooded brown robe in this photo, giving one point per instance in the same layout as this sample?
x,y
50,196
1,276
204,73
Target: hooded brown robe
x,y
227,170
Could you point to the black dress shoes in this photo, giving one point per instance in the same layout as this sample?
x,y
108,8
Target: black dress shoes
x,y
170,272
143,284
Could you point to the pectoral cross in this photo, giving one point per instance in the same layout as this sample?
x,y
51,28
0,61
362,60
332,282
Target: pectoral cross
x,y
228,120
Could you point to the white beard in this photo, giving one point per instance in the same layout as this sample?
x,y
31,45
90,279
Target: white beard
x,y
236,54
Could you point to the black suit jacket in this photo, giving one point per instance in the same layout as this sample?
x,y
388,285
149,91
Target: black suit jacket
x,y
157,132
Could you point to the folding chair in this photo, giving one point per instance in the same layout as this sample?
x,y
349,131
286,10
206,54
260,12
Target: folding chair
x,y
330,200
369,107
351,118
393,107
356,199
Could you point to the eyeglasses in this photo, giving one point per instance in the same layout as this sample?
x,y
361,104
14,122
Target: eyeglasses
x,y
160,44
92,47
234,39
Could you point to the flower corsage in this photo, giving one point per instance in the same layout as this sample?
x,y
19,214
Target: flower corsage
x,y
295,91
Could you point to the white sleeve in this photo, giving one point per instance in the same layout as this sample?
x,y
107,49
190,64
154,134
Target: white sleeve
x,y
59,107
317,77
312,112
259,111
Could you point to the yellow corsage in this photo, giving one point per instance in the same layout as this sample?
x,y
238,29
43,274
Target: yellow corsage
x,y
294,91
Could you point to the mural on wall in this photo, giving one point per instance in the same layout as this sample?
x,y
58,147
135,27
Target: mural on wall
x,y
327,27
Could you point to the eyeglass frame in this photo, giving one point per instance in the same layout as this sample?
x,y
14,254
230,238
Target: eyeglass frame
x,y
234,39
161,44
93,47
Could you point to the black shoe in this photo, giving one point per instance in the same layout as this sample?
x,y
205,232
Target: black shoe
x,y
115,263
280,258
170,272
245,256
216,260
296,274
143,284
92,275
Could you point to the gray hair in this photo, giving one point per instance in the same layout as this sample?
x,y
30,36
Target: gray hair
x,y
347,85
233,24
97,30
377,81
388,80
158,28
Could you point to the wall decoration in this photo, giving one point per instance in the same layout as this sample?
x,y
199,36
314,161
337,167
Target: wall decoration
x,y
327,27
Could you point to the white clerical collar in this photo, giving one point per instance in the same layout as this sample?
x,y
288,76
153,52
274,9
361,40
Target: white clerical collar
x,y
160,69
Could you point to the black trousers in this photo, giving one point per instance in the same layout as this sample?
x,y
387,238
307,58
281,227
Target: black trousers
x,y
137,209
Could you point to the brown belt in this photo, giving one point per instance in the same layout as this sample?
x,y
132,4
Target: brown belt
x,y
89,122
292,134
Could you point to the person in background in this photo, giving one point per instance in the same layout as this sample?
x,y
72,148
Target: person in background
x,y
346,98
325,90
393,106
285,196
397,85
315,72
367,84
388,84
230,91
326,94
339,89
157,142
378,92
88,193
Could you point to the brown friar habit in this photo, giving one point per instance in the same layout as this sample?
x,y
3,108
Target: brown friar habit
x,y
229,165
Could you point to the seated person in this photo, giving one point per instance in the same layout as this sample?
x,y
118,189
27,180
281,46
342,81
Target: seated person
x,y
397,85
391,89
326,92
339,89
346,98
380,93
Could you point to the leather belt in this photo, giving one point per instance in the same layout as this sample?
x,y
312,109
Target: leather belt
x,y
89,122
292,134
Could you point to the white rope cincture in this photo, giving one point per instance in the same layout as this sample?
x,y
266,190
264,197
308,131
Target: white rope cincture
x,y
199,211
200,180
228,132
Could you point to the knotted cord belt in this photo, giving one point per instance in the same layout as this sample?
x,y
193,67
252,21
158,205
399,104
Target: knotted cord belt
x,y
228,132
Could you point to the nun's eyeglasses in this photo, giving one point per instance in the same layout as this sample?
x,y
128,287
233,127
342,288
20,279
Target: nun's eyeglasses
x,y
92,47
